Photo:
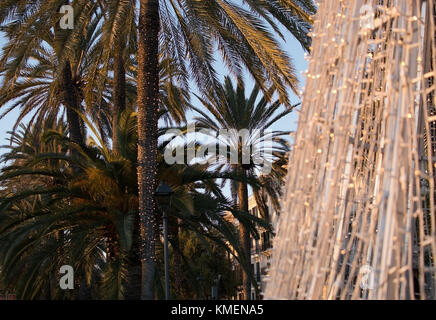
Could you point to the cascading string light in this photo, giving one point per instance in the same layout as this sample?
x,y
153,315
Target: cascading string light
x,y
361,173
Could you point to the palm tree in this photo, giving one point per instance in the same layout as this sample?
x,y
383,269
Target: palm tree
x,y
118,42
188,31
94,210
36,88
193,27
235,113
42,77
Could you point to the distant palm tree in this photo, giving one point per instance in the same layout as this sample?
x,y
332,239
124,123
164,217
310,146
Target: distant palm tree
x,y
234,113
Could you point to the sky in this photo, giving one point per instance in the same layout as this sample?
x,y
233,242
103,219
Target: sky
x,y
288,123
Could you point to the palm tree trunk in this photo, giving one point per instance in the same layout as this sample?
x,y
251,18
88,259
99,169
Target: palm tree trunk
x,y
68,92
133,284
148,102
119,91
234,191
178,259
84,292
244,236
71,103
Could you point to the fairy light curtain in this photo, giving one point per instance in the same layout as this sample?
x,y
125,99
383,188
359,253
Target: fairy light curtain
x,y
358,218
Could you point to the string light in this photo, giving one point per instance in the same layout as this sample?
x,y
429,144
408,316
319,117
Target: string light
x,y
375,178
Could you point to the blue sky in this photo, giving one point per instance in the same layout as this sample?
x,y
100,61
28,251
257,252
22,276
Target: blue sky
x,y
291,46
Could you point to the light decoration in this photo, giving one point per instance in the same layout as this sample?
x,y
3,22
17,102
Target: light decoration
x,y
358,217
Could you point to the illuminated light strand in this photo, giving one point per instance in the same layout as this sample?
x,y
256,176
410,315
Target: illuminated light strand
x,y
358,202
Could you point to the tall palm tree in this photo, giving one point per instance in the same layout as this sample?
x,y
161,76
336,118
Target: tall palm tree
x,y
83,86
119,42
190,30
234,113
